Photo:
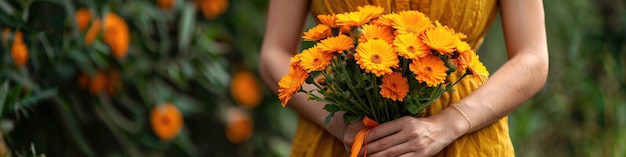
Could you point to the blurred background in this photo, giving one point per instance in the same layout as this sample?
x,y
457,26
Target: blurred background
x,y
180,78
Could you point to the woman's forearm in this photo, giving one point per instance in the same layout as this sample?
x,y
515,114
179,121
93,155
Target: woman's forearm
x,y
282,37
522,76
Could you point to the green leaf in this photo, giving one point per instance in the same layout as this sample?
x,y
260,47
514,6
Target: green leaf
x,y
187,27
412,107
331,107
352,117
4,90
327,119
38,97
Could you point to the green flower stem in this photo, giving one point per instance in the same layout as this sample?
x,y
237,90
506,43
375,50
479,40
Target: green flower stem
x,y
375,87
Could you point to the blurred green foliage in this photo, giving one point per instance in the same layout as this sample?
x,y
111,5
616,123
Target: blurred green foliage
x,y
175,55
580,111
179,56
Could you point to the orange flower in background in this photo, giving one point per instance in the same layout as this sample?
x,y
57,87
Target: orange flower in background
x,y
83,17
440,40
116,34
352,19
328,20
97,83
410,46
429,69
245,89
165,4
19,50
394,87
114,81
239,126
411,22
291,83
166,121
371,11
317,33
373,32
479,71
93,31
212,8
376,56
337,44
314,60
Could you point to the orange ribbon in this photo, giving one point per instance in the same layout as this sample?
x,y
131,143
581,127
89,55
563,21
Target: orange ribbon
x,y
360,138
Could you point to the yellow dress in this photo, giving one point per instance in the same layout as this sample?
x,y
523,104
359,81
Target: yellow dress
x,y
472,17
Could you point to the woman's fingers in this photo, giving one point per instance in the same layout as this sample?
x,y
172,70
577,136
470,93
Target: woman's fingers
x,y
386,142
388,128
396,150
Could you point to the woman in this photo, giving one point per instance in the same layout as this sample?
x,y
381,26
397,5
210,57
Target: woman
x,y
469,122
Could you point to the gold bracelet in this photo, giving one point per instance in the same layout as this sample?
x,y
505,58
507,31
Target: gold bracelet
x,y
464,115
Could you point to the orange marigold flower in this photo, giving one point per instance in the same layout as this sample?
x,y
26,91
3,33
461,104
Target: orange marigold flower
x,y
411,21
239,126
410,46
82,16
245,89
116,34
337,44
451,30
212,8
462,46
376,56
352,19
93,31
385,20
371,11
374,32
429,69
166,121
291,83
328,20
440,40
394,87
97,83
463,60
479,71
165,4
317,33
314,60
19,50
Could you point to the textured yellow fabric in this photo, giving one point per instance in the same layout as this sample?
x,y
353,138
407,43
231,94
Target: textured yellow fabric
x,y
471,17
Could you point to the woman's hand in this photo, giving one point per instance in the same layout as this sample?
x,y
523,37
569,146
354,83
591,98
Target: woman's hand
x,y
350,132
409,136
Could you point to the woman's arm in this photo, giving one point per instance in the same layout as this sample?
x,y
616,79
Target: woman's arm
x,y
282,36
522,76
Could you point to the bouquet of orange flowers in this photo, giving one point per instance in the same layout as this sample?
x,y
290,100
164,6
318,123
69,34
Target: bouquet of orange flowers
x,y
379,66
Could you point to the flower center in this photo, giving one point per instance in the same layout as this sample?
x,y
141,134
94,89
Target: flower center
x,y
316,61
411,49
376,59
428,69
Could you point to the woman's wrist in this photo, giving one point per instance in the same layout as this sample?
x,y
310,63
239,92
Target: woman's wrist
x,y
336,126
453,119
